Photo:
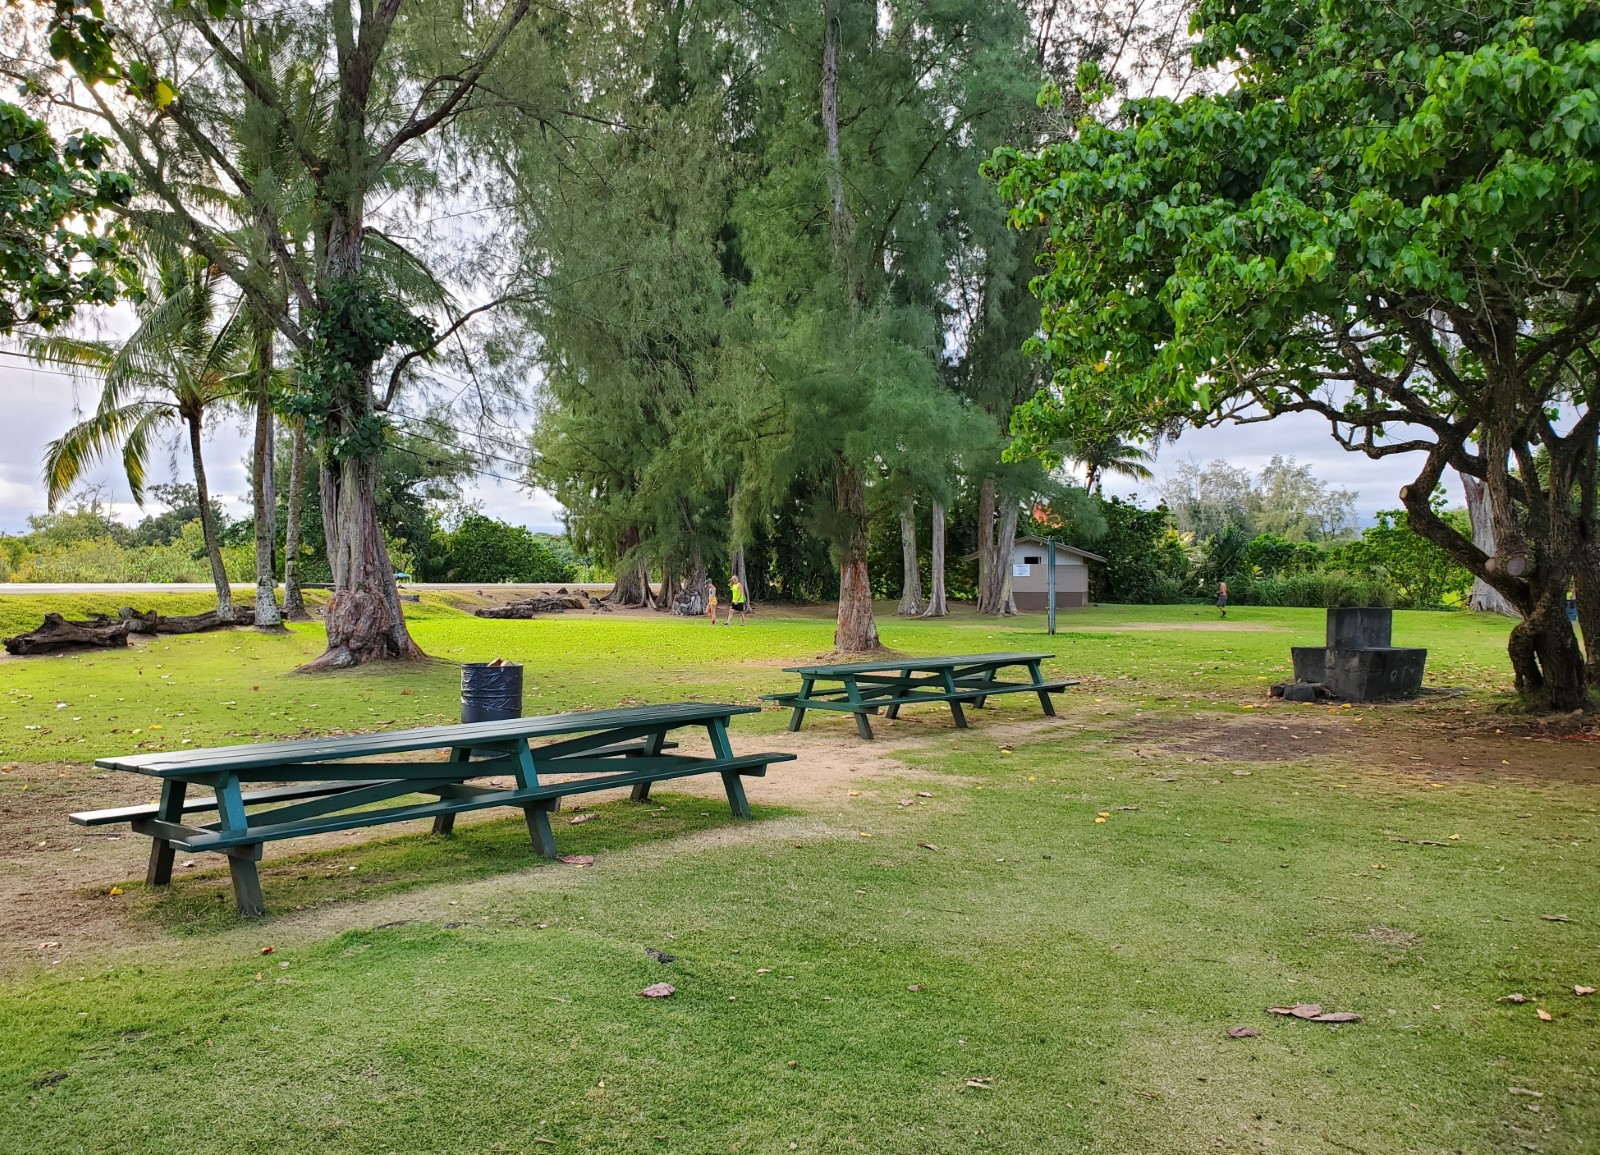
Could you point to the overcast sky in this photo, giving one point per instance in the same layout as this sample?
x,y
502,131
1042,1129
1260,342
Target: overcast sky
x,y
40,403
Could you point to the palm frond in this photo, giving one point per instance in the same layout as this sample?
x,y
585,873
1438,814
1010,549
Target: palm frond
x,y
89,441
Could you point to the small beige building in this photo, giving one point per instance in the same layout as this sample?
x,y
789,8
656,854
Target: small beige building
x,y
1030,574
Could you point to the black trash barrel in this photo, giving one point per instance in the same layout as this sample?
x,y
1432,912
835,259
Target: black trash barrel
x,y
490,693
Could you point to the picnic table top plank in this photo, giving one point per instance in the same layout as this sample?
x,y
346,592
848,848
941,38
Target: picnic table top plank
x,y
909,664
220,759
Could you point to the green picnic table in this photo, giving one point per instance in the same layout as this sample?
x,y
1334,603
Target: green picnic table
x,y
327,787
866,687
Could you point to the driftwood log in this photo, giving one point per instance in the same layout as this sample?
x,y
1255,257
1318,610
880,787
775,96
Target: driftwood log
x,y
555,603
150,622
57,633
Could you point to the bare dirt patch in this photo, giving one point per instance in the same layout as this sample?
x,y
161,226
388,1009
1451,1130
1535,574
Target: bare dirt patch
x,y
55,878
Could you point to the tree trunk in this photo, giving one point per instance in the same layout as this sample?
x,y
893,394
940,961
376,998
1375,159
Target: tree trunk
x,y
1004,551
632,586
911,584
1485,598
936,607
736,569
1545,657
266,504
985,539
855,631
208,524
294,606
667,596
997,531
364,620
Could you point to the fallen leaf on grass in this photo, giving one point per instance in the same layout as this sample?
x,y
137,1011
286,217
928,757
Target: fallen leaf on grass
x,y
923,794
927,846
580,819
1299,1010
658,991
1545,1016
114,891
660,956
1515,998
1555,918
1525,1091
1127,808
982,1084
1241,773
268,949
914,987
763,970
576,859
1242,1032
1099,819
853,793
1581,990
1337,1017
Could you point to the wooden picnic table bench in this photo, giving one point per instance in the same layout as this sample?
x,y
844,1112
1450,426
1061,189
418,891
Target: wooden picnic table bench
x,y
328,786
866,687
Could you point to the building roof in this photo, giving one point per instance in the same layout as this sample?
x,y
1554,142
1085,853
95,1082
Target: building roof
x,y
1061,547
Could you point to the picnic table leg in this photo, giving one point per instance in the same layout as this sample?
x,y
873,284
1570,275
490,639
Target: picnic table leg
x,y
538,814
955,707
800,711
445,824
544,839
169,809
893,710
732,781
853,692
246,881
1045,703
641,790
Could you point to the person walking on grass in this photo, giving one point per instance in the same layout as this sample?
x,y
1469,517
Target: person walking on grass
x,y
1222,598
711,602
737,604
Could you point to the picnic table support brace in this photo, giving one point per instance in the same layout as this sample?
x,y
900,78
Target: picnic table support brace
x,y
445,824
170,809
652,747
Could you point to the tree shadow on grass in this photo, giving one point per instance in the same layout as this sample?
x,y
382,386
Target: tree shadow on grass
x,y
201,901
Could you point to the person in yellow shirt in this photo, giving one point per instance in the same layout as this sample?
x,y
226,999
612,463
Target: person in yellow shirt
x,y
737,603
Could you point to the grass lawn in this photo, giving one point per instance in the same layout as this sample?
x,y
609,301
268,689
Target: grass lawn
x,y
934,947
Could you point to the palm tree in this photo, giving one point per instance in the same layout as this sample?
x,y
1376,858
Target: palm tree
x,y
189,352
1108,453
